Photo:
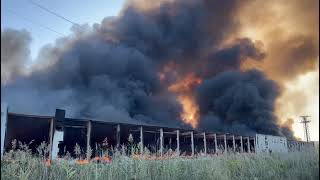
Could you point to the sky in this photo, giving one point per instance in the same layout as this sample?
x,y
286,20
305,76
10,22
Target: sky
x,y
84,11
280,26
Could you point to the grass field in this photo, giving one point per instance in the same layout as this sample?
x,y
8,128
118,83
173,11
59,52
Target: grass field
x,y
20,164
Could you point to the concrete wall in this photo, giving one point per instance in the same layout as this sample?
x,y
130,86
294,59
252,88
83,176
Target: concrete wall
x,y
268,143
301,146
316,145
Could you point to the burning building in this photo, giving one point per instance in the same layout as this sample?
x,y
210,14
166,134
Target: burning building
x,y
173,65
62,134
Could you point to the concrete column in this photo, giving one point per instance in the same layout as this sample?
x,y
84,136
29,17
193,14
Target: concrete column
x,y
225,143
192,143
57,137
215,143
299,146
89,127
161,141
118,136
178,143
51,131
141,140
254,145
4,118
248,141
233,143
88,137
241,144
205,143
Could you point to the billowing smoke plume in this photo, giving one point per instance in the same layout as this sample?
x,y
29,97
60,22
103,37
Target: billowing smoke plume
x,y
14,53
290,35
238,102
287,128
123,68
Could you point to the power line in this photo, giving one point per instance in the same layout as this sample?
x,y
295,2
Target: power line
x,y
30,21
54,13
305,122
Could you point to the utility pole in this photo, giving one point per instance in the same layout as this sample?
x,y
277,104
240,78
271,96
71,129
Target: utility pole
x,y
305,122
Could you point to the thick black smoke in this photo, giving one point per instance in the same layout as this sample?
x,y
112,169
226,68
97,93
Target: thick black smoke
x,y
230,57
96,79
111,70
238,102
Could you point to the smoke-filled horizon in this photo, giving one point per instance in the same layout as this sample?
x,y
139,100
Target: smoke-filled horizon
x,y
181,63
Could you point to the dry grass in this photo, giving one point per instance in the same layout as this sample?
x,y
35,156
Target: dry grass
x,y
21,164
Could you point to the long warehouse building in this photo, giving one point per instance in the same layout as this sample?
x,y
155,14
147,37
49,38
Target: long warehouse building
x,y
61,134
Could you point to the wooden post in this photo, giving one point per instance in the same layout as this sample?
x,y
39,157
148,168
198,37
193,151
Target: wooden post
x,y
178,143
141,140
225,143
205,143
241,144
51,131
248,141
88,138
234,144
161,141
215,143
118,136
192,144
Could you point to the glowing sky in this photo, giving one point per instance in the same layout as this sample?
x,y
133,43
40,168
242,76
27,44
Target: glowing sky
x,y
289,31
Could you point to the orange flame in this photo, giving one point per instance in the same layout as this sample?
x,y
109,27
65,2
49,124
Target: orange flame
x,y
186,85
106,159
184,89
162,76
190,112
48,162
82,161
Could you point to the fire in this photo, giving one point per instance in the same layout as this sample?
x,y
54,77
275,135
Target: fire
x,y
184,88
162,76
48,162
190,112
82,161
105,159
186,85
